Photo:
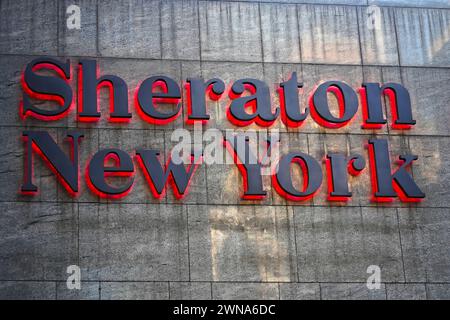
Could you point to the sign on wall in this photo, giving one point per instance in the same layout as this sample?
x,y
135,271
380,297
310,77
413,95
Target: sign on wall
x,y
250,103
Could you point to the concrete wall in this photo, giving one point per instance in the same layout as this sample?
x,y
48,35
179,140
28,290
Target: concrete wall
x,y
212,244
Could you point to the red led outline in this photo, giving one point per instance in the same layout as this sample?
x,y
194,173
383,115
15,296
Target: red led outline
x,y
351,168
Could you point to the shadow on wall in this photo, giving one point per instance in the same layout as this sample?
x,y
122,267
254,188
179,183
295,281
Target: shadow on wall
x,y
233,232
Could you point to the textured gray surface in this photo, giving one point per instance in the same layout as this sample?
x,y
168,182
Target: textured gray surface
x,y
439,291
423,36
338,244
378,41
425,237
411,3
27,290
88,291
429,99
280,40
299,291
351,291
244,291
134,291
408,291
329,34
39,240
129,28
212,245
230,31
74,42
242,243
180,33
127,242
39,33
190,290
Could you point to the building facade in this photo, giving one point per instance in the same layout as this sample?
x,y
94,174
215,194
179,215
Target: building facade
x,y
212,244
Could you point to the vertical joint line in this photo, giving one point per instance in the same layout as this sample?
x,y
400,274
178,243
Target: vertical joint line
x,y
160,29
199,37
359,38
78,231
96,30
295,241
401,245
260,35
320,291
188,243
279,292
57,27
299,38
168,289
396,40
